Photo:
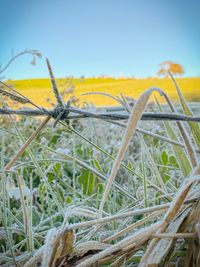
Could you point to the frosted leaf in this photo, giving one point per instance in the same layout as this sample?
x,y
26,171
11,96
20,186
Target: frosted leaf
x,y
14,192
64,151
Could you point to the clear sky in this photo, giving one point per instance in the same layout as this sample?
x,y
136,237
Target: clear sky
x,y
95,37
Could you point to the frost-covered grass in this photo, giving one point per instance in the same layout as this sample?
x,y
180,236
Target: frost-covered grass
x,y
54,205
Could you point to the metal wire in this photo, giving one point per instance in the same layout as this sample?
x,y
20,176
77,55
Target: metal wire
x,y
68,113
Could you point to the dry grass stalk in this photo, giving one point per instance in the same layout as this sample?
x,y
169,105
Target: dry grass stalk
x,y
25,145
188,145
135,116
54,85
171,235
170,215
191,223
14,97
165,240
35,258
154,135
132,242
111,218
25,212
117,99
160,208
133,226
48,247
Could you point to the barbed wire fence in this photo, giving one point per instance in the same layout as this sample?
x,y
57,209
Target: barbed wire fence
x,y
65,112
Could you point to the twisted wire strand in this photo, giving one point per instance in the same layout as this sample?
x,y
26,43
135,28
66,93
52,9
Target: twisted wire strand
x,y
68,113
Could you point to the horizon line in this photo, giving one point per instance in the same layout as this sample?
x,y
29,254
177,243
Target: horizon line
x,y
104,77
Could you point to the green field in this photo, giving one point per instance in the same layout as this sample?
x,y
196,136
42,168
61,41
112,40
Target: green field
x,y
40,89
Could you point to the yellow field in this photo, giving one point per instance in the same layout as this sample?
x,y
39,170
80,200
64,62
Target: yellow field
x,y
38,90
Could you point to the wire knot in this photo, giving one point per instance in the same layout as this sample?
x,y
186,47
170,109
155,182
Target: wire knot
x,y
60,113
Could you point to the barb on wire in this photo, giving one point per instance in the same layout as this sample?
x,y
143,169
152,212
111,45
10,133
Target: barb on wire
x,y
62,113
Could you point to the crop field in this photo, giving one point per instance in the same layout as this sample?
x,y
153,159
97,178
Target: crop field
x,y
39,89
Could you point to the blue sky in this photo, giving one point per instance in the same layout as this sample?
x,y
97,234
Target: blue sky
x,y
95,37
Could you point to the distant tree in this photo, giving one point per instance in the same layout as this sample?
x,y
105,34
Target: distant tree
x,y
169,66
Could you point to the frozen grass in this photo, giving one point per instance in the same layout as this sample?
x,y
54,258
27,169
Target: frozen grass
x,y
93,194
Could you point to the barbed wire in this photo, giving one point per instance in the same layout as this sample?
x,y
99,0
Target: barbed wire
x,y
67,112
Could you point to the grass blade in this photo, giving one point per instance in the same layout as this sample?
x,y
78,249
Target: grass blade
x,y
135,116
179,152
194,127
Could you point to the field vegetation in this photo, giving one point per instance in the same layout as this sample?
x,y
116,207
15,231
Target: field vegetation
x,y
89,192
131,87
